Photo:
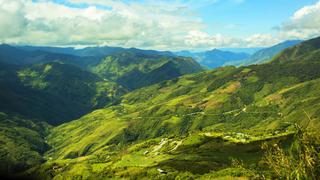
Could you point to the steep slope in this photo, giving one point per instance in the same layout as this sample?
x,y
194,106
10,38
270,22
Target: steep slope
x,y
175,124
22,143
53,92
133,68
306,52
136,70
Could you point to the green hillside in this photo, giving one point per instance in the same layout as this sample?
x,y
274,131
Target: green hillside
x,y
22,143
54,92
205,125
136,70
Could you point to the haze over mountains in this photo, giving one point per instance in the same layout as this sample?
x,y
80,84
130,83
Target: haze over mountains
x,y
237,56
87,56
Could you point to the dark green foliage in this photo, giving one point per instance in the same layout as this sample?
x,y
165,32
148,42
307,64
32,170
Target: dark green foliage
x,y
22,143
53,92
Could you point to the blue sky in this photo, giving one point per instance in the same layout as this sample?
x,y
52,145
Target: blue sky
x,y
250,16
155,24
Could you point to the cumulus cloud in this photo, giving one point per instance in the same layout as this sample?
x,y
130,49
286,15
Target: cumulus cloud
x,y
44,22
305,23
12,21
154,24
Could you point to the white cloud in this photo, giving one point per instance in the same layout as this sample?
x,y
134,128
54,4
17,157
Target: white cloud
x,y
260,40
202,40
152,25
47,23
305,23
12,22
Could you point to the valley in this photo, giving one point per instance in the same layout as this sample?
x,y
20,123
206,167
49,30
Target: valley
x,y
136,115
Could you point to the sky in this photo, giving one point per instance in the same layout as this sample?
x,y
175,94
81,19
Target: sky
x,y
156,24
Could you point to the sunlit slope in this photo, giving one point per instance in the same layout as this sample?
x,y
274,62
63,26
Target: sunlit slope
x,y
181,122
177,107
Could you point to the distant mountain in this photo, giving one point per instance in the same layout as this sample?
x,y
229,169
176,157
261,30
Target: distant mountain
x,y
243,50
93,51
217,58
214,58
134,69
29,55
266,54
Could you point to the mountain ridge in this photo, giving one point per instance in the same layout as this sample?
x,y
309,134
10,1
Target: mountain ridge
x,y
187,120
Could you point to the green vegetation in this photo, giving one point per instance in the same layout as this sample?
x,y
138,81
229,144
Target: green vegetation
x,y
298,161
54,92
134,70
22,143
224,123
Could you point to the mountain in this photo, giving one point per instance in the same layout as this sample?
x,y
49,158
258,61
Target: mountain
x,y
42,91
17,56
53,92
267,54
214,58
186,127
217,58
305,52
97,51
135,69
59,87
243,50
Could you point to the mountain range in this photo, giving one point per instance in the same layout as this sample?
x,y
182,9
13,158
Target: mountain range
x,y
265,55
237,56
214,58
148,114
92,55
